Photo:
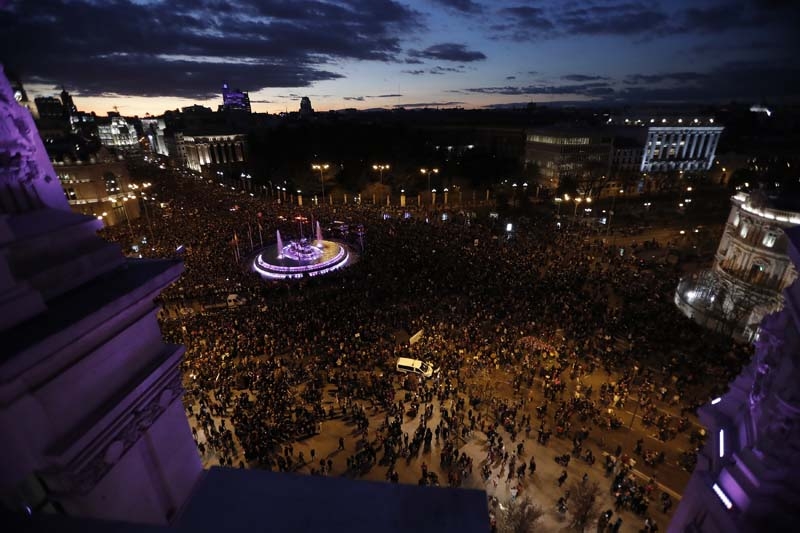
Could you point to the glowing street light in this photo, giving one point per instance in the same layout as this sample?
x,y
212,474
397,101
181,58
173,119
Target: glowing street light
x,y
429,172
578,201
322,167
380,168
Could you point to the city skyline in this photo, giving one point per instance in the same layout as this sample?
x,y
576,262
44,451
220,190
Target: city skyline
x,y
148,56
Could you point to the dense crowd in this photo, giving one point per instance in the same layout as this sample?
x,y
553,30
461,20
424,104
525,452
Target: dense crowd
x,y
298,354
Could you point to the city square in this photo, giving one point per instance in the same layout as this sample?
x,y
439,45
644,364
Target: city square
x,y
399,265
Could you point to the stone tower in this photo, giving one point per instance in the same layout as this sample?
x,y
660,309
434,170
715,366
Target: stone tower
x,y
91,416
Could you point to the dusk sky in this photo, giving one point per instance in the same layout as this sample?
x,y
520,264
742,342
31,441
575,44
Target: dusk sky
x,y
152,55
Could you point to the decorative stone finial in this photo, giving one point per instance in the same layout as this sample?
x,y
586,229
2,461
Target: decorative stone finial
x,y
27,178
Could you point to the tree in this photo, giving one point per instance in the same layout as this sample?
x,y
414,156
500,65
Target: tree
x,y
519,517
583,503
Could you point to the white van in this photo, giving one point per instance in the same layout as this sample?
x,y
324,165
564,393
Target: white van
x,y
415,366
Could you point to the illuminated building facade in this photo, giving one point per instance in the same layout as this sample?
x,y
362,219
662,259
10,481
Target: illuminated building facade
x,y
574,153
213,153
100,188
751,267
234,99
746,478
117,132
153,129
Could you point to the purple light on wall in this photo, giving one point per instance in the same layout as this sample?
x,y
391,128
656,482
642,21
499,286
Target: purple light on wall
x,y
723,497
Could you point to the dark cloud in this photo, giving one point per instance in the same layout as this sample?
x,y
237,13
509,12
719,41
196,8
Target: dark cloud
x,y
726,16
619,18
362,98
511,77
414,72
743,81
582,77
680,77
464,6
523,23
586,89
430,104
186,48
444,70
448,52
413,61
642,19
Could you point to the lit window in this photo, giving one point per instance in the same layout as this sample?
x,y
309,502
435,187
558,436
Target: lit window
x,y
744,231
769,239
736,220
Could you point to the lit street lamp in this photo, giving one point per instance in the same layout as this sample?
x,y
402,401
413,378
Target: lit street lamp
x,y
429,172
321,167
380,168
577,203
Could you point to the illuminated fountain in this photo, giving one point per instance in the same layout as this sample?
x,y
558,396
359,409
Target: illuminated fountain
x,y
302,257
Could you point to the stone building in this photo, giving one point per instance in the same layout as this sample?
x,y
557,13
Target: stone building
x,y
750,269
90,395
209,154
746,477
100,187
571,153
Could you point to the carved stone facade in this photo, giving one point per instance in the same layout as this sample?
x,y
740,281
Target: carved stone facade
x,y
211,153
748,475
90,396
750,270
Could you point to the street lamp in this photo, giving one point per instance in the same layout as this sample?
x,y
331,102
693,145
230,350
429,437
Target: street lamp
x,y
428,172
558,203
321,167
578,201
380,168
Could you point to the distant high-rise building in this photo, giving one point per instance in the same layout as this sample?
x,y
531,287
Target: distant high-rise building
x,y
305,106
234,99
69,105
49,107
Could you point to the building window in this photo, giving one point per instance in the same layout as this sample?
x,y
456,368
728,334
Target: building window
x,y
736,220
769,239
744,231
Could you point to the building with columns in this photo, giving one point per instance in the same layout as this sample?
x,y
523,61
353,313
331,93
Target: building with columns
x,y
746,478
681,148
750,269
208,154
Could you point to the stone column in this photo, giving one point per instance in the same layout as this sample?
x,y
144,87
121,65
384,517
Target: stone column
x,y
700,146
685,139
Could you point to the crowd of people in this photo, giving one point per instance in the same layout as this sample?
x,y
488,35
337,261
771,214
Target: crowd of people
x,y
261,376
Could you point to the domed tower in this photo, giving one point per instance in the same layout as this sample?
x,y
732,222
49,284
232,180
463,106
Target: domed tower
x,y
750,269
